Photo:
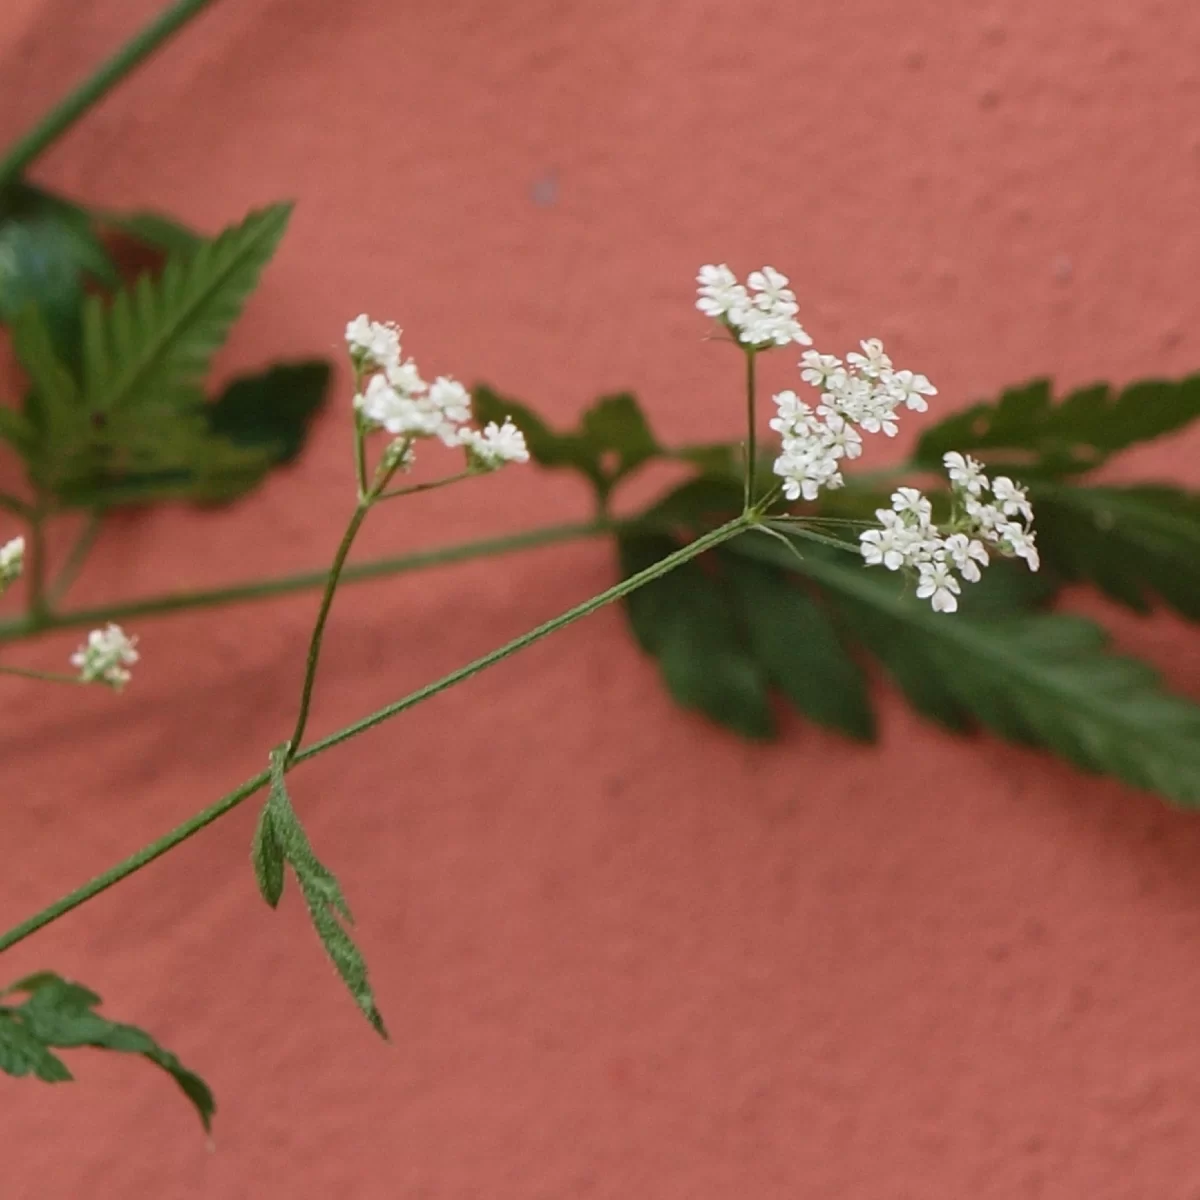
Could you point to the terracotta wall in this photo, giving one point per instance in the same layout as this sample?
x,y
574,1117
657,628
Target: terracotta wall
x,y
622,954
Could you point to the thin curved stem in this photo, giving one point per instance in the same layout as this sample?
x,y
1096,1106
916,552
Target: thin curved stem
x,y
318,633
227,803
73,106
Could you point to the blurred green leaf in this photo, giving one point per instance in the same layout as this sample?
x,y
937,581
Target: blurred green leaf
x,y
797,644
1026,432
61,1014
272,409
154,230
686,622
48,250
1043,680
1131,542
280,838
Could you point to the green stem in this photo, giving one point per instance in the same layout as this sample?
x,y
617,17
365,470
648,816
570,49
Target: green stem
x,y
48,676
181,833
314,645
304,581
38,609
76,559
68,110
427,487
751,433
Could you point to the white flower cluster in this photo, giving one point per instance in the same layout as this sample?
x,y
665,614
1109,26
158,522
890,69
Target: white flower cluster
x,y
981,524
398,400
861,395
762,311
105,657
12,561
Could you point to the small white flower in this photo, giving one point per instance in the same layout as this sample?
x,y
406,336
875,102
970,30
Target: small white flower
x,y
911,390
772,293
968,555
495,445
1019,541
405,378
872,362
12,561
373,342
938,585
105,657
452,402
822,370
986,517
908,500
888,546
1010,498
965,473
720,293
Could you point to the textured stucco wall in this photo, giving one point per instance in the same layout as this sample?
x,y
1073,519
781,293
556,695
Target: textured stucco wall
x,y
622,954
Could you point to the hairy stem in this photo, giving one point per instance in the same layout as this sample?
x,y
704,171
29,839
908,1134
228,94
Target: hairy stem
x,y
48,676
73,106
181,833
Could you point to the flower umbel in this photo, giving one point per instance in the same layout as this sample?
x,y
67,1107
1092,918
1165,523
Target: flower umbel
x,y
396,399
12,562
106,656
761,312
980,526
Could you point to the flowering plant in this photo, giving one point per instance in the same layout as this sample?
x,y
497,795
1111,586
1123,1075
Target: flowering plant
x,y
757,574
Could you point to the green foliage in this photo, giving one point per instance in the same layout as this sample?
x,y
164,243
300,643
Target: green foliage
x,y
1027,434
49,251
279,839
1042,679
131,425
154,230
1131,542
58,1015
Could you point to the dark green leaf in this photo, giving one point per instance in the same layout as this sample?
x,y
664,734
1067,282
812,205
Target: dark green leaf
x,y
21,1053
53,412
280,834
1026,432
1131,542
795,641
62,1015
48,249
272,409
1043,680
266,852
155,230
686,621
615,426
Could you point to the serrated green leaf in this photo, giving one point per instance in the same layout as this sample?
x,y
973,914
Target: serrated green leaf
x,y
797,644
1131,542
266,853
272,409
280,833
21,1053
150,347
1026,431
686,622
60,1014
48,248
53,417
1045,680
156,230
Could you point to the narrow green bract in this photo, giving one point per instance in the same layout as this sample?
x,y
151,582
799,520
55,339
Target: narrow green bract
x,y
280,838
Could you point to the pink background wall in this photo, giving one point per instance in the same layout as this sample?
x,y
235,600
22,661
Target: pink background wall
x,y
622,954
